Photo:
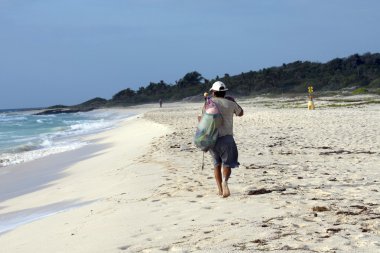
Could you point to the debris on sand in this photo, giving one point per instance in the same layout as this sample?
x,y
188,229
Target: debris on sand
x,y
259,191
320,209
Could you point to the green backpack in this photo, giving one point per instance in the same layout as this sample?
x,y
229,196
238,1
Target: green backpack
x,y
207,130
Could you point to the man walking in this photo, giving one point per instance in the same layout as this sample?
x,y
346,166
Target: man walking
x,y
224,153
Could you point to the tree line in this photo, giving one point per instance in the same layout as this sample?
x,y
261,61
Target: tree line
x,y
353,71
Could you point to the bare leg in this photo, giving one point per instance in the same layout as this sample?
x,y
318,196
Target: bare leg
x,y
218,178
225,189
226,173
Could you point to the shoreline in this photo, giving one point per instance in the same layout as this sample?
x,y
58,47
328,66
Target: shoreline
x,y
69,182
62,138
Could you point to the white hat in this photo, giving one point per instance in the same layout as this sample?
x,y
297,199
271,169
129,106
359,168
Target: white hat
x,y
218,86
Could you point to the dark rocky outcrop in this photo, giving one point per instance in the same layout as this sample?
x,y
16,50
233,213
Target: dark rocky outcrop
x,y
87,106
63,110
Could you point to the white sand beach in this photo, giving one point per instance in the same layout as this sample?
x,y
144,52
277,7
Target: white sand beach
x,y
308,182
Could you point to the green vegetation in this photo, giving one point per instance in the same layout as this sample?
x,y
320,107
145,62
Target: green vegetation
x,y
359,72
94,103
360,91
352,104
375,83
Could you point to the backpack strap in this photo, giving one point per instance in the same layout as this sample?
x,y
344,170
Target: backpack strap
x,y
220,112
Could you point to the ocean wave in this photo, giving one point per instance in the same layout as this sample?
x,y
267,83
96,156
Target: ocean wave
x,y
7,159
12,118
21,139
25,147
90,126
45,116
85,127
40,136
29,144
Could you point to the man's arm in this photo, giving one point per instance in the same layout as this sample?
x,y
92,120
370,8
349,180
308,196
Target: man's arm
x,y
238,106
239,111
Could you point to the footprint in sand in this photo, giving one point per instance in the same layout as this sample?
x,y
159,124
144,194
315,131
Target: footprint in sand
x,y
124,247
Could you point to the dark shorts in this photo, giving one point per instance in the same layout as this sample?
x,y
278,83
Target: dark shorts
x,y
225,152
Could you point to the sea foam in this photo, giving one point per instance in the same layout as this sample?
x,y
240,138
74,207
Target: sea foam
x,y
25,137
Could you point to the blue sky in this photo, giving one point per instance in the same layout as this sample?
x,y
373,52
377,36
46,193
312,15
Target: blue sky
x,y
69,51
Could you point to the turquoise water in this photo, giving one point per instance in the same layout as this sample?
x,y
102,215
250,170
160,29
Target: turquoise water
x,y
25,137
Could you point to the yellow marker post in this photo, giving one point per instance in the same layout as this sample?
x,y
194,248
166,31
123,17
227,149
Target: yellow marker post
x,y
310,103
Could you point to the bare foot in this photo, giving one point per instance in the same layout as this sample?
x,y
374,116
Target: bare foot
x,y
226,190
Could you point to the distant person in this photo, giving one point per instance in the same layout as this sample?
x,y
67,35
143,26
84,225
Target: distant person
x,y
160,101
310,103
224,153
